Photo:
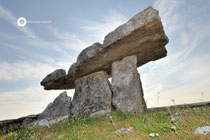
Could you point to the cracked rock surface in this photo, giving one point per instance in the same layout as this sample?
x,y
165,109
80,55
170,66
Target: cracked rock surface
x,y
92,94
60,107
126,86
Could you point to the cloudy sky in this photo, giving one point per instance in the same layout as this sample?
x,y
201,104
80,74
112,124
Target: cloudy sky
x,y
29,53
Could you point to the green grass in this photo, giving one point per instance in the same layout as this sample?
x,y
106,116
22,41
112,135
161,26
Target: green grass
x,y
98,128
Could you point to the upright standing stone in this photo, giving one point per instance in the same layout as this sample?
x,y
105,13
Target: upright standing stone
x,y
92,94
142,97
126,86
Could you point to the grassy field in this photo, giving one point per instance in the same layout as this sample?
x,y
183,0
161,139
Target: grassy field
x,y
98,128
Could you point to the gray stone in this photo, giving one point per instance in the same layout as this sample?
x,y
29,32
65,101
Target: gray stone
x,y
175,116
86,54
126,86
142,35
112,123
47,122
138,21
152,135
92,94
89,52
142,97
123,130
100,113
73,69
60,136
47,137
202,130
60,107
55,80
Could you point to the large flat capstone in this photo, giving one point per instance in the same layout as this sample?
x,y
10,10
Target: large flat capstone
x,y
142,35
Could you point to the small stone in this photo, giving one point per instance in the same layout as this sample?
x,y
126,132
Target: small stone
x,y
157,135
112,123
152,135
47,137
108,115
60,136
173,128
123,130
202,130
100,113
172,120
176,116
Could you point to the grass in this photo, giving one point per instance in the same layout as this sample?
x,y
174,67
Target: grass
x,y
98,128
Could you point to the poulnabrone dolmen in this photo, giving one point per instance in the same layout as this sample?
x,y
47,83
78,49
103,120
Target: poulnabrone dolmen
x,y
140,40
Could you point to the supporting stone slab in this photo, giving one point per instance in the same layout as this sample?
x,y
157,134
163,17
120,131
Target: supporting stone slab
x,y
92,94
126,86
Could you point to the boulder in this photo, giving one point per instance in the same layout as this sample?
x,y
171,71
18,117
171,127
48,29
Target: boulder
x,y
126,86
60,107
92,94
204,130
55,80
47,122
89,52
142,35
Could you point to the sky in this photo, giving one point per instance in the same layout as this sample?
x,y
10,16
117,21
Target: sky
x,y
57,31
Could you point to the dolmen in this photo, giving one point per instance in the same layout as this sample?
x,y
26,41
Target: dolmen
x,y
131,45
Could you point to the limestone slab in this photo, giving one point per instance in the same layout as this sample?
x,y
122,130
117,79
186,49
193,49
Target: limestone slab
x,y
126,86
92,94
142,35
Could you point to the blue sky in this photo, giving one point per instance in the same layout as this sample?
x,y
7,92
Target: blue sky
x,y
29,53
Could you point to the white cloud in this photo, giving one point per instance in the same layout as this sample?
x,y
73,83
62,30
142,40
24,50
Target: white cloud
x,y
5,36
7,15
24,70
183,74
100,29
67,40
168,10
32,100
28,70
